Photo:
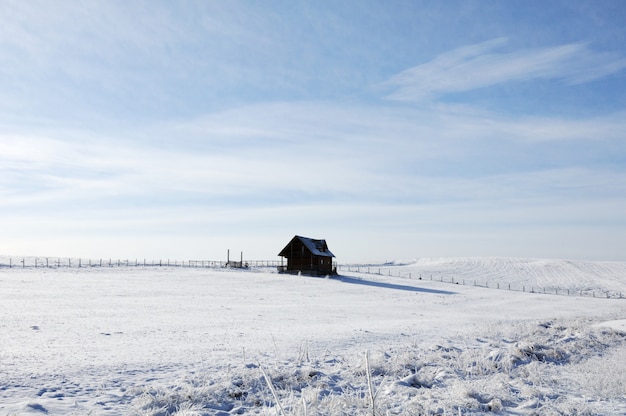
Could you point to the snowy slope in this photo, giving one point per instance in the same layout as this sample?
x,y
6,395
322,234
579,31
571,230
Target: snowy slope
x,y
517,273
158,340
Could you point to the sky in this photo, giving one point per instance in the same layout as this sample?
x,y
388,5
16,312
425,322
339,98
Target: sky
x,y
393,129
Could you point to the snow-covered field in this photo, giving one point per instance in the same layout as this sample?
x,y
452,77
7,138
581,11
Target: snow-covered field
x,y
193,341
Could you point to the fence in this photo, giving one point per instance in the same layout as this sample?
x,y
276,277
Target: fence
x,y
381,271
69,262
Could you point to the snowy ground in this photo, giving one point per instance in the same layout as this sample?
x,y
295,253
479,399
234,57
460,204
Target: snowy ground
x,y
172,340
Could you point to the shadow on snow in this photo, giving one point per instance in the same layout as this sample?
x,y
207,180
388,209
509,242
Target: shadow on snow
x,y
365,282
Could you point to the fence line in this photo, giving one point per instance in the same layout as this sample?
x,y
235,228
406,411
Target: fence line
x,y
75,262
381,271
70,262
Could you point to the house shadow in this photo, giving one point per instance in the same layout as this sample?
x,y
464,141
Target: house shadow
x,y
365,282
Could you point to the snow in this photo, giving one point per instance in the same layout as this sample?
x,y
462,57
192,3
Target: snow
x,y
197,341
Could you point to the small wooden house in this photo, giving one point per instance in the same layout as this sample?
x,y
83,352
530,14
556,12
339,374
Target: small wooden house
x,y
308,256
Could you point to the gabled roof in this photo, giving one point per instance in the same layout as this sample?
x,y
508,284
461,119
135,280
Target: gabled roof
x,y
317,247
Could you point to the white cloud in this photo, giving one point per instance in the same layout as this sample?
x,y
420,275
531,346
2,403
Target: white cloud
x,y
481,65
262,172
308,150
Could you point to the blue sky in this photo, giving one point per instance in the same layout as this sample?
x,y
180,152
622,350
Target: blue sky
x,y
393,129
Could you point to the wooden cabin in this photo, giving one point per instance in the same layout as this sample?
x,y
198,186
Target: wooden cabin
x,y
308,256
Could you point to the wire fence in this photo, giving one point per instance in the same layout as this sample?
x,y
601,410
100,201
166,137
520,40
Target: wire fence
x,y
382,271
76,262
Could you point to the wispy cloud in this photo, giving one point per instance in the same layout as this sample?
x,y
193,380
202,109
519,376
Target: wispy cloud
x,y
303,153
484,64
262,171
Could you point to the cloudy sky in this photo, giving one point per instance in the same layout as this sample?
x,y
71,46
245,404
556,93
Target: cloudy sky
x,y
393,129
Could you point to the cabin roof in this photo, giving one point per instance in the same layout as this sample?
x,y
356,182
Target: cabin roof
x,y
317,247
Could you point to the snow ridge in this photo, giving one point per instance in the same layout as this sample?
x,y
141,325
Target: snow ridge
x,y
574,277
